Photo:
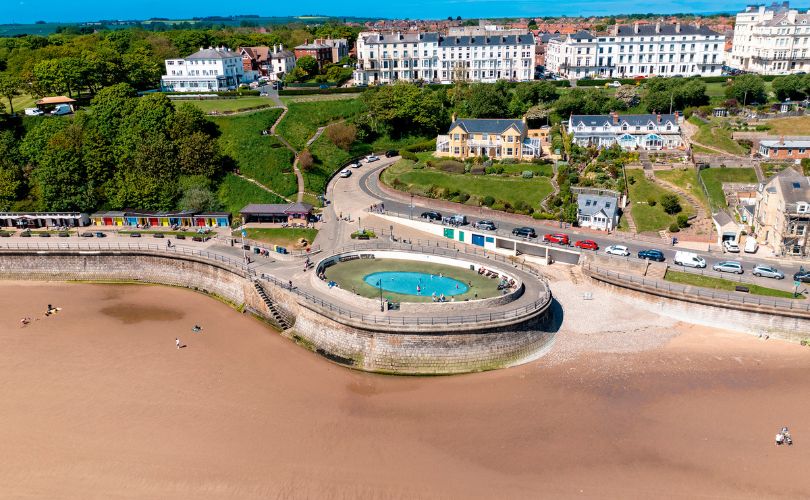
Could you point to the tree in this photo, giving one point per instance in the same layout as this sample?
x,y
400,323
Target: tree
x,y
670,204
199,199
628,94
197,154
147,179
11,179
188,119
485,101
403,108
111,105
305,160
10,87
747,89
665,94
308,65
342,135
295,75
789,87
61,175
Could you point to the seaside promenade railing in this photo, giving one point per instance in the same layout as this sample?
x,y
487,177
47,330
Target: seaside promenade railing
x,y
394,320
706,293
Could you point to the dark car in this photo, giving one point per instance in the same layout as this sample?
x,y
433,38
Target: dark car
x,y
158,235
44,235
99,234
432,216
803,276
652,254
485,225
134,235
524,232
87,234
391,153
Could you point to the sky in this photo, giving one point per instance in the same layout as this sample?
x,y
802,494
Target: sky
x,y
29,11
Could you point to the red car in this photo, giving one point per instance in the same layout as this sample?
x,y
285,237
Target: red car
x,y
587,245
560,238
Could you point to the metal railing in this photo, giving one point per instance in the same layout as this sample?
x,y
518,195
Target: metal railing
x,y
694,291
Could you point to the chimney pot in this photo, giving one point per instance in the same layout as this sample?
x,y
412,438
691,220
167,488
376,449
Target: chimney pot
x,y
635,27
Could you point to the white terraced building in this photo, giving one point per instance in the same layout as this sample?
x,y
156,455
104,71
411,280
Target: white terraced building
x,y
630,132
429,56
207,70
627,51
771,40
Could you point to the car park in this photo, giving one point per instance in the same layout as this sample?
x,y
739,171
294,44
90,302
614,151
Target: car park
x,y
432,216
371,158
391,153
455,220
485,225
802,276
764,271
620,250
560,238
524,232
689,259
652,254
586,245
345,173
731,246
728,266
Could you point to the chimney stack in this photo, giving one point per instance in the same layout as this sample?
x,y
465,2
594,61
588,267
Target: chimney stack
x,y
453,118
658,117
678,27
615,116
781,140
658,27
635,27
677,116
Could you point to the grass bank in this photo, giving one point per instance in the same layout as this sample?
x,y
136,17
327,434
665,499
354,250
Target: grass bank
x,y
651,217
686,179
234,193
799,125
714,135
287,237
723,284
715,177
238,104
304,118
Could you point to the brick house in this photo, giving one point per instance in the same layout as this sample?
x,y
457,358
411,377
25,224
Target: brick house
x,y
793,149
339,47
322,53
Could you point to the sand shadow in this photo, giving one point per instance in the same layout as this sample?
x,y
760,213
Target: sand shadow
x,y
556,315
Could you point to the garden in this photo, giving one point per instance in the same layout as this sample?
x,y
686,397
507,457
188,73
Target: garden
x,y
715,177
653,207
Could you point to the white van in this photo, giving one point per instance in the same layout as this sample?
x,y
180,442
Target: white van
x,y
751,245
689,259
61,109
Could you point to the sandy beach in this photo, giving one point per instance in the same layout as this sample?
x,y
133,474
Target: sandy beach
x,y
98,403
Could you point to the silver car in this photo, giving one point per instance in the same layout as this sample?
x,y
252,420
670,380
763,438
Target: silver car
x,y
728,266
764,271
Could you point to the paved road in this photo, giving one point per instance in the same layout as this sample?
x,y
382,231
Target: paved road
x,y
369,184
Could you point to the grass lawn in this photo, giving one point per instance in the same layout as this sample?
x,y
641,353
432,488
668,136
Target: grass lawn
x,y
697,148
506,189
519,168
715,177
723,284
687,180
650,218
349,276
304,118
235,193
260,157
287,237
799,125
712,134
208,105
20,103
716,91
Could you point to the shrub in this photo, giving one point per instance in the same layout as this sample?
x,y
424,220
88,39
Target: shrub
x,y
508,161
651,202
407,155
683,220
543,216
673,228
342,135
451,166
488,201
463,197
305,160
496,169
762,128
498,205
631,180
420,147
671,204
528,174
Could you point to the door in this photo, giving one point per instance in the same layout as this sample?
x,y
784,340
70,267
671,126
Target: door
x,y
153,221
478,239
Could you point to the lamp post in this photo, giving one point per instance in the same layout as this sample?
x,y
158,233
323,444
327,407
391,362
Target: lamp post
x,y
412,206
379,284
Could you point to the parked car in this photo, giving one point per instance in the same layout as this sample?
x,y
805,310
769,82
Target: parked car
x,y
44,234
323,86
432,215
763,271
524,232
87,234
134,235
455,220
617,250
371,158
98,234
751,245
728,266
802,276
354,165
689,259
485,225
560,238
345,173
613,84
652,254
158,235
34,112
586,245
731,246
391,153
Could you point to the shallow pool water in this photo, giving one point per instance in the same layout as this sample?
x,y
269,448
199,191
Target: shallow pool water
x,y
412,283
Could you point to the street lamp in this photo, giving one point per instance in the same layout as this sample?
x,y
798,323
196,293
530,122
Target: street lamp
x,y
379,284
411,205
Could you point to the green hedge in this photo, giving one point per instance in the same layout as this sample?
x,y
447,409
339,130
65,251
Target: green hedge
x,y
601,83
228,93
346,90
419,147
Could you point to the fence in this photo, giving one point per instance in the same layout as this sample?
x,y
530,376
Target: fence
x,y
691,291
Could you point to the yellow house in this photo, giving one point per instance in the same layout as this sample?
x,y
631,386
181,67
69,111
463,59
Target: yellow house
x,y
498,139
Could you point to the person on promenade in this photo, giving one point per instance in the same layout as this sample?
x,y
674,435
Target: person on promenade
x,y
177,342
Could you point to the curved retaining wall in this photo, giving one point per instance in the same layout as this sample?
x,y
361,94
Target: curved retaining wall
x,y
347,342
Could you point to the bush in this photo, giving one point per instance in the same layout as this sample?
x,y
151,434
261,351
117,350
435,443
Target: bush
x,y
423,146
671,204
651,202
673,228
683,220
347,90
528,174
342,135
305,160
450,166
543,216
497,169
488,201
463,197
407,155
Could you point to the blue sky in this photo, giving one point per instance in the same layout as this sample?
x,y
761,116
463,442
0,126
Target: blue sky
x,y
29,11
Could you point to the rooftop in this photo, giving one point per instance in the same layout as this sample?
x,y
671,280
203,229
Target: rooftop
x,y
277,208
213,53
487,125
590,204
60,99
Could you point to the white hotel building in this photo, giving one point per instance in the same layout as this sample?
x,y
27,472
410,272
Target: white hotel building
x,y
208,70
429,56
634,50
771,40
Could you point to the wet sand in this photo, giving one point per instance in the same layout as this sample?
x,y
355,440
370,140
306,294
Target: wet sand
x,y
98,403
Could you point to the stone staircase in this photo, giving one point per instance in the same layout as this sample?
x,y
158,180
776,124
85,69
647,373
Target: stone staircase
x,y
279,319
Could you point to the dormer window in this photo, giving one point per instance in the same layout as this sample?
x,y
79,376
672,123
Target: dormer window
x,y
669,126
606,127
581,127
650,126
624,126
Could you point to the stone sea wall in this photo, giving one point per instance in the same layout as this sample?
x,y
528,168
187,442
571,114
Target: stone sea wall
x,y
354,345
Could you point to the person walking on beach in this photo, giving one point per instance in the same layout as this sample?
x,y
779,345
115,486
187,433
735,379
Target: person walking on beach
x,y
177,342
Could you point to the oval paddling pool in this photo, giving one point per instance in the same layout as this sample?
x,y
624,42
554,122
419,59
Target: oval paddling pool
x,y
411,283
